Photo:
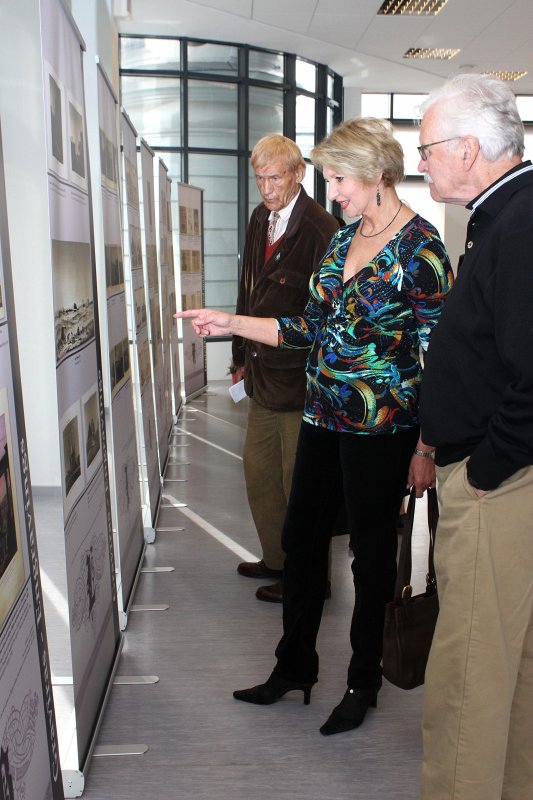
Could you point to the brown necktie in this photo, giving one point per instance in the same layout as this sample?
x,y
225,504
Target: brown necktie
x,y
271,233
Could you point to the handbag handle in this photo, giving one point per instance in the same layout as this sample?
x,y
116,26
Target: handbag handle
x,y
403,586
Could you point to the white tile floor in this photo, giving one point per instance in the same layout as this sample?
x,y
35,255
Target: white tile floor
x,y
216,637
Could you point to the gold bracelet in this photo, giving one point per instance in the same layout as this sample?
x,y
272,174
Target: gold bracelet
x,y
425,453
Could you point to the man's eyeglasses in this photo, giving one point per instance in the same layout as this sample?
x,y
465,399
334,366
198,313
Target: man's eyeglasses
x,y
423,148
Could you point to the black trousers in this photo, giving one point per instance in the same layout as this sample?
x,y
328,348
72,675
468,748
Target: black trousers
x,y
370,472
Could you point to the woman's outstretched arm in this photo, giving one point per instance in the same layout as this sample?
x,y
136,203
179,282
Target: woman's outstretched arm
x,y
207,322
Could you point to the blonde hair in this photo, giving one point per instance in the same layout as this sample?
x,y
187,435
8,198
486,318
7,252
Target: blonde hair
x,y
274,146
363,149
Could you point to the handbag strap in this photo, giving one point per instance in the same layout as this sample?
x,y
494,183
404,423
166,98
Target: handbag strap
x,y
403,575
433,521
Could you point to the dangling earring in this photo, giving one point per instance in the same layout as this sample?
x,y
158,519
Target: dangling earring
x,y
378,197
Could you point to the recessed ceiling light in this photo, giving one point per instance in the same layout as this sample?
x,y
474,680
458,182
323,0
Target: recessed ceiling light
x,y
390,7
506,75
439,53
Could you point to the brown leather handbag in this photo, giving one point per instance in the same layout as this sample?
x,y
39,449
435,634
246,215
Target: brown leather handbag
x,y
410,620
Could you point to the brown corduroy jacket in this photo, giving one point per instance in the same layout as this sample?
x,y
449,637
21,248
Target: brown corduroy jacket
x,y
275,378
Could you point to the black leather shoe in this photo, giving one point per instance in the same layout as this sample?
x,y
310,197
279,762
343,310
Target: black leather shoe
x,y
258,569
264,694
350,712
271,594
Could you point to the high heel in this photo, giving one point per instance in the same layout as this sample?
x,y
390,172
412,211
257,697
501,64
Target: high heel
x,y
264,694
350,712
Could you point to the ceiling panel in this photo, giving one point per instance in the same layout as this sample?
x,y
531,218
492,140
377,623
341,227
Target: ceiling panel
x,y
364,48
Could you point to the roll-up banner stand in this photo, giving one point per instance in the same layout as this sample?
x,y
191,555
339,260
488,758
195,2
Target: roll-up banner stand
x,y
95,637
167,421
153,299
118,384
29,753
172,306
191,252
139,333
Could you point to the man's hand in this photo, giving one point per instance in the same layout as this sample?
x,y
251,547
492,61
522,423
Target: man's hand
x,y
237,376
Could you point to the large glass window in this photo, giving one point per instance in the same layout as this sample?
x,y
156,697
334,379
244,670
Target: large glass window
x,y
265,113
404,106
265,66
375,105
212,115
218,59
149,54
525,107
202,106
305,75
305,123
154,106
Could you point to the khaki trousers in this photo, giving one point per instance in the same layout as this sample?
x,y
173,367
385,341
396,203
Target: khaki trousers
x,y
269,451
478,706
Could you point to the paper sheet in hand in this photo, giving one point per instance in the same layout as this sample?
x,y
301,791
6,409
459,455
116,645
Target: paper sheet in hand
x,y
237,391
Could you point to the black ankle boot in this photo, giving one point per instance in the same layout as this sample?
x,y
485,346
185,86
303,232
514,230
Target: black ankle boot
x,y
350,712
264,694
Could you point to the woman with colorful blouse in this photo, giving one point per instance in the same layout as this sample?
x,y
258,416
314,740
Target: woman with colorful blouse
x,y
374,299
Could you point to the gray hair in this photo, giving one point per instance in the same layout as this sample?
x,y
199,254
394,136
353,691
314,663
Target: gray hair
x,y
480,106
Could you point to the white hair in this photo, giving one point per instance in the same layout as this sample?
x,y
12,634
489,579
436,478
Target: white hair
x,y
480,106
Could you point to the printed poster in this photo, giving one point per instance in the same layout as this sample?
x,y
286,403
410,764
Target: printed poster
x,y
148,446
94,630
192,284
154,302
125,488
29,757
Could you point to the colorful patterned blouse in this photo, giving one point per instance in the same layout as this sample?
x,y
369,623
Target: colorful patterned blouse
x,y
363,371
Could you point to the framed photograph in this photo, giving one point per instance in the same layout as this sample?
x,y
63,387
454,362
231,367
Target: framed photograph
x,y
92,448
72,461
73,296
77,146
56,127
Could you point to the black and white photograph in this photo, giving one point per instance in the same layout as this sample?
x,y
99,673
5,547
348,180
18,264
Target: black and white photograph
x,y
132,187
73,296
56,124
140,308
56,119
114,269
77,145
108,160
136,256
91,426
119,359
144,363
71,453
183,220
151,259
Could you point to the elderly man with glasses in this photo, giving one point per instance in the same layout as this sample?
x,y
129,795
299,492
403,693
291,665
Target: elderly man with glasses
x,y
477,411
